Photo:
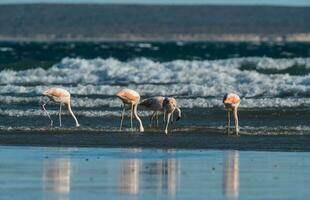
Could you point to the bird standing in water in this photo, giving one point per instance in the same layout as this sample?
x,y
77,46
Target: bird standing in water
x,y
62,97
132,98
169,106
231,102
155,104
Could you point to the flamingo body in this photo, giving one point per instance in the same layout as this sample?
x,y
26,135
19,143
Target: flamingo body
x,y
153,103
128,96
132,98
58,95
231,102
61,96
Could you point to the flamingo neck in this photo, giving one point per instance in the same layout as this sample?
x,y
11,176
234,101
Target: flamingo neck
x,y
179,112
138,118
70,111
167,122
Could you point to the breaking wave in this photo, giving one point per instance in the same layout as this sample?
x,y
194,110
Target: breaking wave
x,y
260,81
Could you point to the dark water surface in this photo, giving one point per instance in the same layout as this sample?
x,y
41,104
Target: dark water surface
x,y
17,56
93,173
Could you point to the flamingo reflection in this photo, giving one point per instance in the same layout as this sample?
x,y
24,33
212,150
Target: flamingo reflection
x,y
231,175
172,176
129,176
56,175
162,176
136,175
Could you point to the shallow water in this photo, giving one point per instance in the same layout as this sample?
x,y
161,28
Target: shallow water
x,y
114,173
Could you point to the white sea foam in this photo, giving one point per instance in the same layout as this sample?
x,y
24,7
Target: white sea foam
x,y
197,80
113,102
246,130
38,112
5,49
17,100
145,45
83,102
246,102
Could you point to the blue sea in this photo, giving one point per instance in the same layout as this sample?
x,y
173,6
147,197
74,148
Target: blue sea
x,y
272,79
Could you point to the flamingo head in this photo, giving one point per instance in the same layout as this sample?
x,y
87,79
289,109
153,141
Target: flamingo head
x,y
225,99
46,93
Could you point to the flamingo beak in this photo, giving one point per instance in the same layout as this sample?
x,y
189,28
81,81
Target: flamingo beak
x,y
42,103
178,118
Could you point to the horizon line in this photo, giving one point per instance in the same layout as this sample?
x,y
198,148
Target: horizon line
x,y
153,4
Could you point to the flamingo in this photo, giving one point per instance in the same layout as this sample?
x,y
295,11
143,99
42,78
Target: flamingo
x,y
155,104
231,102
130,97
60,96
169,106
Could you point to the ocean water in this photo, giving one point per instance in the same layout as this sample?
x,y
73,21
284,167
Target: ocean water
x,y
92,173
272,79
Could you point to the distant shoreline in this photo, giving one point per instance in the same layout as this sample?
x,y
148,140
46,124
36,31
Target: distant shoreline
x,y
156,4
303,37
100,22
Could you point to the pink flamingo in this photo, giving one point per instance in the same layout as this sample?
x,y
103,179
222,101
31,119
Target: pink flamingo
x,y
155,104
61,96
169,106
231,102
130,97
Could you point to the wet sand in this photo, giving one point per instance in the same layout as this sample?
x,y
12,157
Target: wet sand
x,y
199,139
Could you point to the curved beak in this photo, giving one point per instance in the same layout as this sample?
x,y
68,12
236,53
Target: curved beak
x,y
178,118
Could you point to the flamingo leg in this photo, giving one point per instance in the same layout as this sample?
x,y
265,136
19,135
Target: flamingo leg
x,y
228,122
157,117
236,121
47,114
164,116
131,116
172,118
151,118
150,125
60,114
122,117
